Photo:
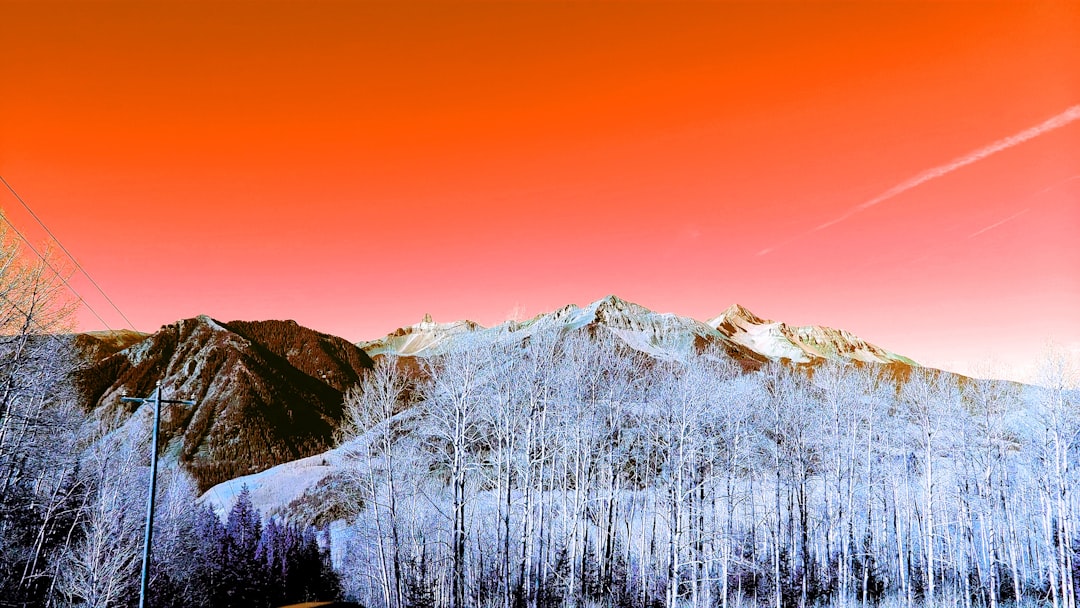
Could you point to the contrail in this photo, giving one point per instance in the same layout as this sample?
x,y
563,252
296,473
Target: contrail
x,y
1068,116
996,224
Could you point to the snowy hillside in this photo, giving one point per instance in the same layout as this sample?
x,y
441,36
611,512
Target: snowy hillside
x,y
568,464
662,335
777,340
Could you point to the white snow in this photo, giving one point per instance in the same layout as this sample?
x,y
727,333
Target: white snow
x,y
662,335
276,487
768,340
422,339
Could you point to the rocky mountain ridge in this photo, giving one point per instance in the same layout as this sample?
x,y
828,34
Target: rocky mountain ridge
x,y
301,488
270,392
743,335
266,392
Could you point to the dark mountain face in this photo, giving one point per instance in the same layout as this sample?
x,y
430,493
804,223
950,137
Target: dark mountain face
x,y
331,359
266,392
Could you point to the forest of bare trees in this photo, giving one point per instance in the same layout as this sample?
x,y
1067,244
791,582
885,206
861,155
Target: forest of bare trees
x,y
564,469
573,471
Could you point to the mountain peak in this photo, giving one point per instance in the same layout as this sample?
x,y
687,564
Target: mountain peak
x,y
612,300
664,335
614,306
266,391
739,312
801,344
197,321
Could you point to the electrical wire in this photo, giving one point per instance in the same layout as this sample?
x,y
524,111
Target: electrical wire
x,y
58,274
213,489
70,257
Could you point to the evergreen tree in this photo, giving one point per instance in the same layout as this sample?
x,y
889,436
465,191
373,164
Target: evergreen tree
x,y
296,569
245,575
272,553
206,585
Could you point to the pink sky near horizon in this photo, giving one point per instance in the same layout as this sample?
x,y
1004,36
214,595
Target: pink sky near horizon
x,y
354,166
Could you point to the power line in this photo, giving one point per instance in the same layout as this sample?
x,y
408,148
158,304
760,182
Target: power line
x,y
213,489
58,274
156,398
70,257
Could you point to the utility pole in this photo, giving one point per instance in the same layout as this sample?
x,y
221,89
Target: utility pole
x,y
157,400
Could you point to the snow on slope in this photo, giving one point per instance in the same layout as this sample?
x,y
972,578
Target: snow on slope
x,y
662,335
421,339
763,337
277,486
272,491
803,344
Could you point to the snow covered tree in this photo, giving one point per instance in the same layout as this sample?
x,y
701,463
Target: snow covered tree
x,y
369,418
39,424
101,568
451,401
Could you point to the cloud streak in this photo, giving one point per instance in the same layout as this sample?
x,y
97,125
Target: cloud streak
x,y
1065,118
1069,116
996,224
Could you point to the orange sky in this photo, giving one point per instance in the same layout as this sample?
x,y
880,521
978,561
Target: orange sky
x,y
356,165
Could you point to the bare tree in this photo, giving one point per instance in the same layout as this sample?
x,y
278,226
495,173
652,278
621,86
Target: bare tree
x,y
451,401
985,442
781,393
931,401
534,378
101,568
838,403
369,417
38,421
1057,451
542,468
682,424
732,406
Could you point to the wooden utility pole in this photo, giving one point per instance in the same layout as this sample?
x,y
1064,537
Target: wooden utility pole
x,y
157,400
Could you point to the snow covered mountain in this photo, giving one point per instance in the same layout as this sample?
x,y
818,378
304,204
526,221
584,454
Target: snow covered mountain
x,y
270,392
804,344
423,338
590,433
303,488
744,336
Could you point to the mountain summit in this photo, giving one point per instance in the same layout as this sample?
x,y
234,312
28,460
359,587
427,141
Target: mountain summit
x,y
803,344
742,334
270,392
